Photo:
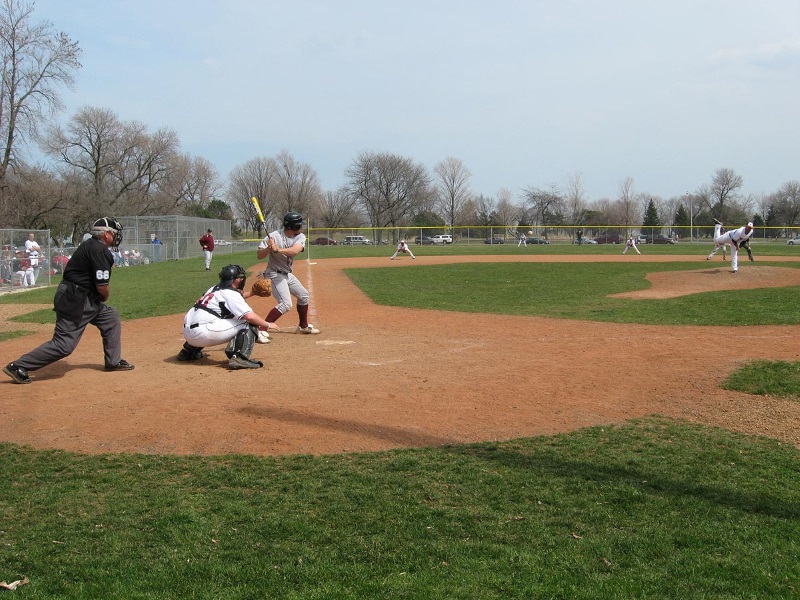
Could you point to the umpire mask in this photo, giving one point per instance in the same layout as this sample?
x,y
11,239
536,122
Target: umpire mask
x,y
109,224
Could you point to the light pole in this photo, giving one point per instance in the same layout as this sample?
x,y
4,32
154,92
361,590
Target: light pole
x,y
691,216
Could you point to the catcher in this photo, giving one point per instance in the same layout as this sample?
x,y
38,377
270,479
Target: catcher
x,y
403,247
222,315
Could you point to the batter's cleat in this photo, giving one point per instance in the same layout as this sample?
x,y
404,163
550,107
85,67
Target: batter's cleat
x,y
308,330
718,222
122,365
240,362
17,373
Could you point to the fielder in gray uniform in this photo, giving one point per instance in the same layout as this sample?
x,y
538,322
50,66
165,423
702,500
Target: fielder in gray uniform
x,y
281,247
736,238
78,302
220,316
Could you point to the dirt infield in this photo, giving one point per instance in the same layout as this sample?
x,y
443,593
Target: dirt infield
x,y
380,377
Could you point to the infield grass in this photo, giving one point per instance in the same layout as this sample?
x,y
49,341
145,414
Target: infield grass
x,y
649,509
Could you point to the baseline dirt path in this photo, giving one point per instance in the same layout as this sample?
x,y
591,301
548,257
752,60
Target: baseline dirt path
x,y
380,378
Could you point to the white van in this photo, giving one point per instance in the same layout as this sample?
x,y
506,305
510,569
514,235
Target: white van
x,y
443,239
356,240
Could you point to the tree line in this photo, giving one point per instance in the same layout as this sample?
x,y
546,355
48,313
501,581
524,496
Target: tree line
x,y
100,163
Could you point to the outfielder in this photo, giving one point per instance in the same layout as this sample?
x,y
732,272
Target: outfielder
x,y
403,247
736,238
631,243
281,247
220,316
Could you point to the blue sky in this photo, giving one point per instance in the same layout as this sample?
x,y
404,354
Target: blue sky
x,y
526,93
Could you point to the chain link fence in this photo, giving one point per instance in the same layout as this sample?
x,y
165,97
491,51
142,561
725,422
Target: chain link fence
x,y
22,267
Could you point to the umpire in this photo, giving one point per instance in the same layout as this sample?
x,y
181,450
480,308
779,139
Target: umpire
x,y
79,301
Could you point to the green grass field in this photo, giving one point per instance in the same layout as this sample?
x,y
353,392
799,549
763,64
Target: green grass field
x,y
648,509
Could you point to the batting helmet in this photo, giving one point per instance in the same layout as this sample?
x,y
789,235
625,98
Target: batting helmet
x,y
231,273
108,224
292,220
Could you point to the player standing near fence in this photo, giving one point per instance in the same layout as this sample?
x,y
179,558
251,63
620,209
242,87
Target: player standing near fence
x,y
281,247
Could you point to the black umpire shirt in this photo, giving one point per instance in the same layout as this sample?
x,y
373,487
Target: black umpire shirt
x,y
90,266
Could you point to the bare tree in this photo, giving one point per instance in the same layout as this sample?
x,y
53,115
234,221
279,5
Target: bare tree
x,y
111,165
192,183
627,201
297,186
256,178
723,190
575,199
485,210
543,202
390,188
451,187
36,63
338,209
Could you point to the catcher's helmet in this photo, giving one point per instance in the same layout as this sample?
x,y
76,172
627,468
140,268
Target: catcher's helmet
x,y
292,220
108,224
229,274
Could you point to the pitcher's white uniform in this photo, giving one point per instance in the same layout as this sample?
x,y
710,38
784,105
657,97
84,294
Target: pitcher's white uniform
x,y
733,237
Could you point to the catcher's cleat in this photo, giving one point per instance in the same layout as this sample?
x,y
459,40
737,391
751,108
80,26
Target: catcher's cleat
x,y
185,356
308,330
239,362
122,365
17,373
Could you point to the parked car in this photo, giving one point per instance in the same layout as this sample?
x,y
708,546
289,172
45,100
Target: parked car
x,y
608,238
494,240
584,241
424,240
221,243
537,241
662,239
356,240
443,238
795,241
324,241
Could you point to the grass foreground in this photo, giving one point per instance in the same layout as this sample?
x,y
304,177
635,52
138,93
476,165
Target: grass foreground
x,y
653,508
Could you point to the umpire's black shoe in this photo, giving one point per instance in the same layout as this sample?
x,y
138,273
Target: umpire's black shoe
x,y
122,365
17,373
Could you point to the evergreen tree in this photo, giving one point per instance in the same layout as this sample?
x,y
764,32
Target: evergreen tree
x,y
651,215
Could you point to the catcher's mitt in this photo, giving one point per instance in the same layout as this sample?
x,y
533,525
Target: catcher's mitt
x,y
262,287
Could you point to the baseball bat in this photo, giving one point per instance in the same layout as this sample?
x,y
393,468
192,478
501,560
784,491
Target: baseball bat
x,y
254,200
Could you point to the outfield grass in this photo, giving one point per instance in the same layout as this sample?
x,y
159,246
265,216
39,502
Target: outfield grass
x,y
652,508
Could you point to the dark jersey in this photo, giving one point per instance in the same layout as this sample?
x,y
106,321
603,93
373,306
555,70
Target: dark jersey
x,y
90,265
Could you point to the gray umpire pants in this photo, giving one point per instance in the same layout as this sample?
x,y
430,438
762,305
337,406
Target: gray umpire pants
x,y
68,333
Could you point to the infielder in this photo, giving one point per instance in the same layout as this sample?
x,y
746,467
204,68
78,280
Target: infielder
x,y
736,238
631,243
403,247
281,247
220,316
523,240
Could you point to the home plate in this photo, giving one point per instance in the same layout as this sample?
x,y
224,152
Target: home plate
x,y
335,342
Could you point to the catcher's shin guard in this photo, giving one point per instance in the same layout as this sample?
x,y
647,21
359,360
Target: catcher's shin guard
x,y
242,345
